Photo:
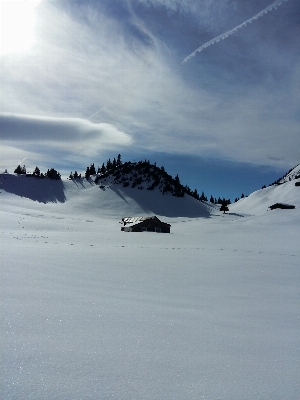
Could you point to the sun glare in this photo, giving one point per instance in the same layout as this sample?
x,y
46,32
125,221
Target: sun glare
x,y
17,19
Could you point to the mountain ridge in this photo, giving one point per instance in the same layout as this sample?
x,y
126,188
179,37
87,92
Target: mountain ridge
x,y
136,189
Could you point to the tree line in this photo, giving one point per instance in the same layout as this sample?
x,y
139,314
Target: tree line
x,y
51,173
143,171
134,174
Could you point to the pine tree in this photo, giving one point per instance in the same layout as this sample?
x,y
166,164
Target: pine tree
x,y
119,161
20,170
87,173
203,197
224,207
195,194
36,171
177,180
53,174
103,169
92,169
108,164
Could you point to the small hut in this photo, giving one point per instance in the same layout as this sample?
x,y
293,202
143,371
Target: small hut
x,y
144,224
282,206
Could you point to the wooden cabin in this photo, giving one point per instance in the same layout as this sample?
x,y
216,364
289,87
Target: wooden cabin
x,y
282,206
144,224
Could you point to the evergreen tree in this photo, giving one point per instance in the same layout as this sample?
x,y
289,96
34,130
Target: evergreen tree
x,y
92,169
108,165
119,161
211,200
224,207
195,194
177,184
36,171
103,169
203,197
87,173
53,174
20,170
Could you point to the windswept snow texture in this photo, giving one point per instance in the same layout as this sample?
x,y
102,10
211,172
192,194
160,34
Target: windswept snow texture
x,y
210,311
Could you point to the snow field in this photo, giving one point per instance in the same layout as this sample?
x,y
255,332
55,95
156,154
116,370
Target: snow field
x,y
88,312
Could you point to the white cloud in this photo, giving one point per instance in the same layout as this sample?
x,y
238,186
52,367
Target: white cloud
x,y
62,135
85,61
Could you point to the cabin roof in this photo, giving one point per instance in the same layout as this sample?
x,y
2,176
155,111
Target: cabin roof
x,y
134,220
281,205
137,220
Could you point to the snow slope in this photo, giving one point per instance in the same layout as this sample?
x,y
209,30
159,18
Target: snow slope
x,y
113,200
260,201
210,311
294,173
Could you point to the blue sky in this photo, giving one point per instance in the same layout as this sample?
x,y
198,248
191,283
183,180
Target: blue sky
x,y
82,81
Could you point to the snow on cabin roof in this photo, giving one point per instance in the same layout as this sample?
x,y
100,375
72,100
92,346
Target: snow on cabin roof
x,y
133,220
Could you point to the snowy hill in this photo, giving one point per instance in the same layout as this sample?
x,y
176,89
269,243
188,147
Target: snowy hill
x,y
140,190
260,201
105,198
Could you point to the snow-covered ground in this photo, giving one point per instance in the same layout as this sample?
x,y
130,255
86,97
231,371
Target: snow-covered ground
x,y
210,311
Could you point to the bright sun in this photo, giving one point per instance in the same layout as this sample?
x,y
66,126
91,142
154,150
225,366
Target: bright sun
x,y
17,20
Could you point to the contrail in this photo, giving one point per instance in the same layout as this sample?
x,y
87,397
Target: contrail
x,y
232,31
100,110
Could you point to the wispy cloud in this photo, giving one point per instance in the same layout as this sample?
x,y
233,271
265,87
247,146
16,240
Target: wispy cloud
x,y
108,74
225,35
